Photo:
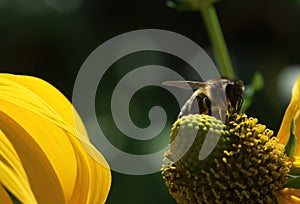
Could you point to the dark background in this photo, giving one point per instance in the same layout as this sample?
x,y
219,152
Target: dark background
x,y
51,39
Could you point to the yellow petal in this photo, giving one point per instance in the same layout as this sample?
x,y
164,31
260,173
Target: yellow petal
x,y
292,111
296,162
41,175
12,174
47,116
54,99
289,196
92,174
25,108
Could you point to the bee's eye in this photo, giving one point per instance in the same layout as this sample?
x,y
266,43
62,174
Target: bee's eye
x,y
228,89
239,90
239,85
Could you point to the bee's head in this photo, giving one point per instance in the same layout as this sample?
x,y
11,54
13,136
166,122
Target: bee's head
x,y
238,87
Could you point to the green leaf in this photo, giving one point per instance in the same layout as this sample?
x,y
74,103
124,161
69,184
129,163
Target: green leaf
x,y
293,183
295,172
189,5
12,197
290,146
257,83
178,6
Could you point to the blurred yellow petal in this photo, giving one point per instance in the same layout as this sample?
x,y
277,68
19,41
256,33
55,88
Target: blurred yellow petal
x,y
22,105
50,95
292,111
90,184
289,196
296,162
44,119
43,179
12,173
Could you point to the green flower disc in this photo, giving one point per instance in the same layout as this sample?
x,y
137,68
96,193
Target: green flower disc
x,y
247,165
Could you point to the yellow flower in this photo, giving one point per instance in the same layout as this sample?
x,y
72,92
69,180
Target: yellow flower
x,y
43,157
290,195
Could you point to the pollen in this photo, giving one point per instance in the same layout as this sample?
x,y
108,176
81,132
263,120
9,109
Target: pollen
x,y
247,165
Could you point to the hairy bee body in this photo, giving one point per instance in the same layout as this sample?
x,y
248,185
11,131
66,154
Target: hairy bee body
x,y
215,97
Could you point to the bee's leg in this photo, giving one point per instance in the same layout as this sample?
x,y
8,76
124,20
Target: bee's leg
x,y
239,104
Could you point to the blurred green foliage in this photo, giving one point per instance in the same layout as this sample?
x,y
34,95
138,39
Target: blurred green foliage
x,y
256,84
52,40
189,5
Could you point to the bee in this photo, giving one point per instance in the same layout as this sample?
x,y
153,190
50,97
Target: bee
x,y
214,97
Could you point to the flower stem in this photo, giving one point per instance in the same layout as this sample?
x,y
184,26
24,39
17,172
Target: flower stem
x,y
218,43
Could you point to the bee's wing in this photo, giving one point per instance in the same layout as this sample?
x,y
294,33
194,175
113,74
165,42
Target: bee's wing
x,y
224,81
185,84
190,106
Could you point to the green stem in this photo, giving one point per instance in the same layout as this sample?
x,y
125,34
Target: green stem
x,y
218,43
